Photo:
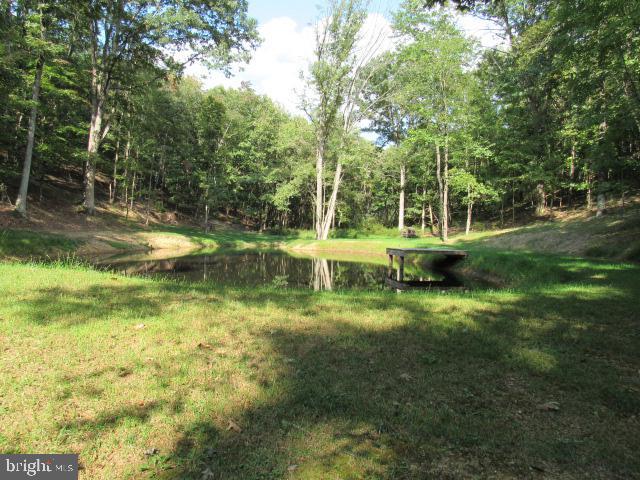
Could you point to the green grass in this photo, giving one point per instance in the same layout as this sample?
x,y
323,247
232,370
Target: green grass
x,y
21,243
282,383
612,236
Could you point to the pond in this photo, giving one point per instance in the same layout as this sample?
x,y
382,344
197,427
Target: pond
x,y
277,268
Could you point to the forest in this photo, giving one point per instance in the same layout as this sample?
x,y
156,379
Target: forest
x,y
383,244
547,120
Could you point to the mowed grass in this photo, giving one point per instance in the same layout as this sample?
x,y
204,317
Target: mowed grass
x,y
23,243
153,379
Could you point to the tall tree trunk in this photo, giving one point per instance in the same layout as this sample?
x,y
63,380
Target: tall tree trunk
x,y
133,191
21,201
469,212
401,205
601,204
319,189
513,204
541,205
589,195
331,208
431,219
601,199
95,131
440,190
423,217
445,194
114,182
146,222
572,172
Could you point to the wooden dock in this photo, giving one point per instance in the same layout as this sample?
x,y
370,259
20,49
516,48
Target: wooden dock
x,y
445,259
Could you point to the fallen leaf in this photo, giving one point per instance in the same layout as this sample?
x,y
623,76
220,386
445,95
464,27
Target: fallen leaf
x,y
549,406
234,426
139,326
205,345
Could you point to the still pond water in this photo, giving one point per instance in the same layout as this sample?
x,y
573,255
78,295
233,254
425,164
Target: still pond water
x,y
252,269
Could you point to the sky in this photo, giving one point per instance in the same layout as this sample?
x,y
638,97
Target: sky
x,y
287,31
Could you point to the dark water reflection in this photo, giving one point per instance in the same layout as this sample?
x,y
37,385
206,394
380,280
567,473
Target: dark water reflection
x,y
248,269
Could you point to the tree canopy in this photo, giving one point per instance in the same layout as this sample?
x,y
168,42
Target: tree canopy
x,y
95,91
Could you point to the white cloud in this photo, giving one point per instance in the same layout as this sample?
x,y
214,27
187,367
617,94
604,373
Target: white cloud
x,y
287,49
482,30
275,66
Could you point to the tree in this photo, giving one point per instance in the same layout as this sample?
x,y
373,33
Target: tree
x,y
131,33
435,77
390,118
338,77
43,24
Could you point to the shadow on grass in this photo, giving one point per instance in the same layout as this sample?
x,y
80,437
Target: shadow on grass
x,y
439,399
430,387
72,307
432,399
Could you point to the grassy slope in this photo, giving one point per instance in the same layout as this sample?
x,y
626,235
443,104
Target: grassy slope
x,y
19,244
293,384
612,236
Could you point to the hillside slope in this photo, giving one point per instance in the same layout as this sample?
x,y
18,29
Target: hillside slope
x,y
614,236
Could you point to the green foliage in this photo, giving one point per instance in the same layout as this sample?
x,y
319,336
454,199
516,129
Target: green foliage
x,y
551,117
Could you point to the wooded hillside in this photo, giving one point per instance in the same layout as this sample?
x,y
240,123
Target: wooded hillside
x,y
549,119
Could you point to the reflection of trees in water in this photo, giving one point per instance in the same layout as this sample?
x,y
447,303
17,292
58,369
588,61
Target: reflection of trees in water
x,y
322,274
262,268
149,268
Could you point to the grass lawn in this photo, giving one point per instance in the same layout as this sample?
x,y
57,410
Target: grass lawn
x,y
23,243
163,380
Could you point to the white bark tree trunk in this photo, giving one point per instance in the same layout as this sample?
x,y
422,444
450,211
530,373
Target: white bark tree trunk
x,y
21,201
440,190
401,205
541,206
431,218
319,189
445,195
469,213
322,275
331,208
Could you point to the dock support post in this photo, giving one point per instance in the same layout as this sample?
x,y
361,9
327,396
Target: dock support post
x,y
400,269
